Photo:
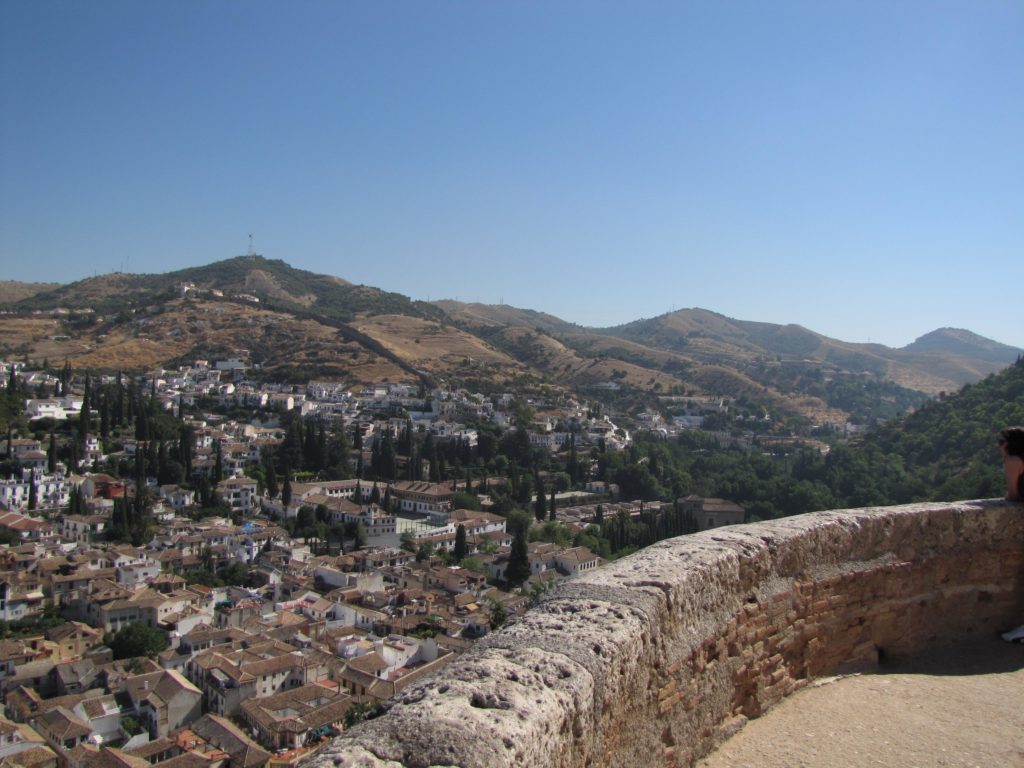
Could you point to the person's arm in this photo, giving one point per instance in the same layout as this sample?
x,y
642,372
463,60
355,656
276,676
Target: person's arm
x,y
1014,466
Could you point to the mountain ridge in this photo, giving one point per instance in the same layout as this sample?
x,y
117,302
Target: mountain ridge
x,y
361,331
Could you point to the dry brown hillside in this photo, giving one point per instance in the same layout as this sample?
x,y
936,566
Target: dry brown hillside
x,y
437,348
261,281
183,330
12,291
37,337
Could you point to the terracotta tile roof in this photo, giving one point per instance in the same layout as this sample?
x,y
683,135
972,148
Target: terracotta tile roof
x,y
108,757
579,554
245,753
187,760
277,664
310,706
369,663
30,758
154,747
63,724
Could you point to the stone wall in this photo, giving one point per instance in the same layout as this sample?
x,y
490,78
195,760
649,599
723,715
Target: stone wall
x,y
655,659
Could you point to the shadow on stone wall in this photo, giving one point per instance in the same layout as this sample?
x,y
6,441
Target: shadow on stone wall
x,y
656,658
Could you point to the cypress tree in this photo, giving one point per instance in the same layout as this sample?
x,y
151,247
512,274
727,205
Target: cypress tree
x,y
338,458
218,466
119,520
204,490
551,506
73,455
405,439
186,440
140,485
518,569
85,417
460,543
286,490
32,492
291,448
141,426
152,458
387,458
163,469
413,469
540,505
375,458
430,453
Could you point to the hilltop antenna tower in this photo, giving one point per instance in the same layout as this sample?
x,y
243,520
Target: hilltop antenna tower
x,y
251,251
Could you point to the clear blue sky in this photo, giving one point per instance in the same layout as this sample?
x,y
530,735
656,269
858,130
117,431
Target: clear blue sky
x,y
854,167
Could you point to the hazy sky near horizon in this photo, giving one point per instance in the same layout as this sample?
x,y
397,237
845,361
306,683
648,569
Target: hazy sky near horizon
x,y
853,167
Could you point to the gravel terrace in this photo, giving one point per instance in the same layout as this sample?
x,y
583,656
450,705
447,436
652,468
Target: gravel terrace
x,y
955,706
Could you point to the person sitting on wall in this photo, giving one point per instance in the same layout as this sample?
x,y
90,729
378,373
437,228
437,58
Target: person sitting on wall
x,y
1011,445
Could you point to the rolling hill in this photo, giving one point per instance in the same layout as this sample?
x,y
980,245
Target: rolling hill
x,y
298,324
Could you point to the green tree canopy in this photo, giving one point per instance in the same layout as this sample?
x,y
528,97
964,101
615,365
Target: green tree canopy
x,y
463,500
136,639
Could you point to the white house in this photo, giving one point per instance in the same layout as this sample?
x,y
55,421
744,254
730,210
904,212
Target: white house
x,y
238,493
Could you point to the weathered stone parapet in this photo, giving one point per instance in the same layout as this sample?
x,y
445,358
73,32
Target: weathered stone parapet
x,y
654,659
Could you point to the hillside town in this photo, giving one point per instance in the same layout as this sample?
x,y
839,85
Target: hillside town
x,y
201,569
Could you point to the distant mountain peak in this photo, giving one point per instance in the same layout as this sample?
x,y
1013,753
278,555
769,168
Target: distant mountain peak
x,y
959,341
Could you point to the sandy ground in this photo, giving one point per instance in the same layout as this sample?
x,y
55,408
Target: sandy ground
x,y
956,706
